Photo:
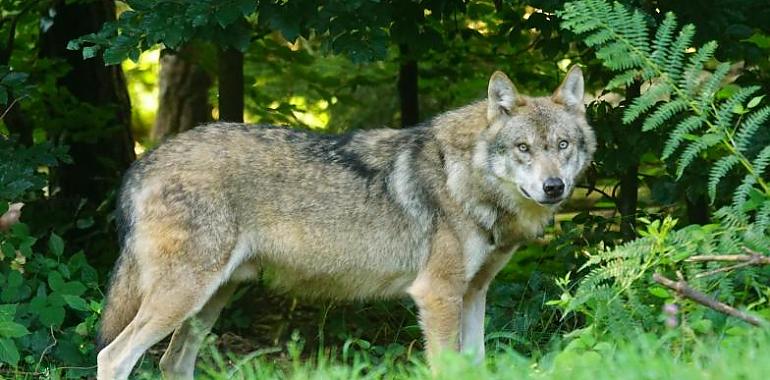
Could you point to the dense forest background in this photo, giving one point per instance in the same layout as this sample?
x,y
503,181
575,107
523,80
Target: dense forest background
x,y
678,191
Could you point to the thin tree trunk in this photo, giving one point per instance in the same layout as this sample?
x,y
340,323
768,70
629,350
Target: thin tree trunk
x,y
407,88
230,85
183,99
101,155
629,181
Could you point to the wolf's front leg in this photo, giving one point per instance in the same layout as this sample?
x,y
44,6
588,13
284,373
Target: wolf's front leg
x,y
440,307
474,304
438,292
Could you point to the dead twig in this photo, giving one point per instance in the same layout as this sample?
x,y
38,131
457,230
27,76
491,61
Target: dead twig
x,y
751,257
683,289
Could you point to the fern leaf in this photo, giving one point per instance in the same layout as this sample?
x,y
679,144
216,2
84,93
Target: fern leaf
x,y
763,217
664,113
623,80
712,84
599,38
696,147
663,38
742,192
646,101
676,54
680,133
761,161
750,126
695,66
718,171
725,113
616,56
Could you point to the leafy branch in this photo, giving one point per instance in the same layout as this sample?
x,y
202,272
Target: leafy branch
x,y
673,68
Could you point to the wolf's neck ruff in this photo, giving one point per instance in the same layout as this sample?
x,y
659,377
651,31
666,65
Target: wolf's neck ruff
x,y
433,212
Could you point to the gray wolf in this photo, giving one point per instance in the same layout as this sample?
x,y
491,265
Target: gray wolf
x,y
433,211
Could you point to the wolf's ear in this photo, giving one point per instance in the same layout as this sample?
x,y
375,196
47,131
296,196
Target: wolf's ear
x,y
501,96
570,92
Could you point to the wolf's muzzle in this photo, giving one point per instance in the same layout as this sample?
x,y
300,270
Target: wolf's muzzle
x,y
553,187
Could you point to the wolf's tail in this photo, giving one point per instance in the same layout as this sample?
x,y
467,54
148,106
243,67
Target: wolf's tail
x,y
122,302
124,295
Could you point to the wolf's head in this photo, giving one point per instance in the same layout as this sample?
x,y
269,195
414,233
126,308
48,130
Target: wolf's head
x,y
534,147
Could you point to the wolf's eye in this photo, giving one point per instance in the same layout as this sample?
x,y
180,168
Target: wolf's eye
x,y
523,147
563,144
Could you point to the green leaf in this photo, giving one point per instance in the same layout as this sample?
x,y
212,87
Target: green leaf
x,y
52,316
659,291
84,223
8,352
755,101
227,14
76,302
90,51
55,281
14,79
7,312
9,329
73,288
56,244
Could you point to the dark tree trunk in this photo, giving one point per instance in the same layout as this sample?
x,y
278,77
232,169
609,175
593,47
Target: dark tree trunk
x,y
407,88
183,101
100,156
230,85
629,181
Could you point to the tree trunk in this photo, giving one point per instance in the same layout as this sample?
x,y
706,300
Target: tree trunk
x,y
407,88
183,100
629,181
101,155
230,85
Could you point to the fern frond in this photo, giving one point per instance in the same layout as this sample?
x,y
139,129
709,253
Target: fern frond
x,y
712,85
761,161
694,149
646,101
763,217
725,112
623,80
616,56
680,133
694,68
718,171
741,193
663,38
664,113
750,126
676,55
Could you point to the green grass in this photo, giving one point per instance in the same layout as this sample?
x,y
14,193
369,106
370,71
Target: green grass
x,y
646,357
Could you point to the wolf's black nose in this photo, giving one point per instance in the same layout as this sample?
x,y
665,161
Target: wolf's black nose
x,y
553,187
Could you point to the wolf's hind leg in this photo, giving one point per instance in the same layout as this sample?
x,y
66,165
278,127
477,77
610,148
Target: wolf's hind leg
x,y
178,362
164,307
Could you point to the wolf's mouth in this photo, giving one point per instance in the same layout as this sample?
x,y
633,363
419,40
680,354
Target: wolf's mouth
x,y
547,201
525,193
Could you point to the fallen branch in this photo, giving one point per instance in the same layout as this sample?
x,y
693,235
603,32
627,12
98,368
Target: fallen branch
x,y
683,289
752,258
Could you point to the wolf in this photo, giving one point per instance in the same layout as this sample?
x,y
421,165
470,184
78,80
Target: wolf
x,y
433,212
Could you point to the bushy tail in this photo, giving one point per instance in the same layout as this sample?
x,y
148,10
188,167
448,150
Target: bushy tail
x,y
122,302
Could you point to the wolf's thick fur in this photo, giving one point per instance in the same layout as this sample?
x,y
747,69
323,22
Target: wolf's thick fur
x,y
433,211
